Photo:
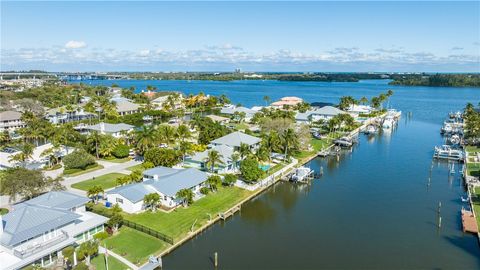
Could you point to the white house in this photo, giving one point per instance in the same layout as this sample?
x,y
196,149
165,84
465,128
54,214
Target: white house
x,y
161,180
10,121
36,231
116,130
39,157
232,110
359,109
325,113
199,160
160,101
237,138
62,115
125,107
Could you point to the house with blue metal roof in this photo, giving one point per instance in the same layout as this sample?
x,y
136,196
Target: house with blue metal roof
x,y
36,231
161,180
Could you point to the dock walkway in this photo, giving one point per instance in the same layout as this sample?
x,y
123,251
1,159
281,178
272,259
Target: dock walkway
x,y
469,222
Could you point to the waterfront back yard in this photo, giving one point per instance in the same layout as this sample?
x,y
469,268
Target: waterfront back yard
x,y
179,222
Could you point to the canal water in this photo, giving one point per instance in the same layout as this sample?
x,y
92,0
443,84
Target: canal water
x,y
375,207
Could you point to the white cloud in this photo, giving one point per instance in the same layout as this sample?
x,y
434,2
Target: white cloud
x,y
226,56
74,44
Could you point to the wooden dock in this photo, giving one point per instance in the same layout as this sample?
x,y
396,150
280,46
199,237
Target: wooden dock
x,y
229,212
469,222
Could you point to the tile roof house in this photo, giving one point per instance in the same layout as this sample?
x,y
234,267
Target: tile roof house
x,y
161,180
35,231
10,121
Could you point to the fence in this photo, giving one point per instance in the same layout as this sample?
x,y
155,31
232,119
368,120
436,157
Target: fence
x,y
149,231
134,225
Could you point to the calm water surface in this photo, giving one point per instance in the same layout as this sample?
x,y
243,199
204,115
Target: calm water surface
x,y
374,208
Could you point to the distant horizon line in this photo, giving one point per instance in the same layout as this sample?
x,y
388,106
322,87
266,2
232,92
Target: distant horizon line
x,y
248,71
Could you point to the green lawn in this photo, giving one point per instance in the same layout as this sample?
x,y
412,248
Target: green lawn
x,y
136,167
179,222
75,172
472,149
317,146
473,169
113,264
133,245
116,160
476,204
105,181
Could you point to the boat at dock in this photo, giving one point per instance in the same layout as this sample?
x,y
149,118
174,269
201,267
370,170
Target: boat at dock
x,y
344,142
448,152
302,174
370,130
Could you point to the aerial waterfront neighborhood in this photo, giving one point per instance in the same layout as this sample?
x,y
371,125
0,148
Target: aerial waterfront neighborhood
x,y
156,135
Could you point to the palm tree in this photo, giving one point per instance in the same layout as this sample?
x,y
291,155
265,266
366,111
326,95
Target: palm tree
x,y
94,139
244,150
235,158
213,158
152,200
267,100
364,100
183,132
186,195
185,148
289,140
271,142
51,154
94,191
214,181
107,145
26,152
166,133
88,249
146,138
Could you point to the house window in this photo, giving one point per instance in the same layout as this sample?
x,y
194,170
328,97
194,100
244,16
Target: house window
x,y
119,200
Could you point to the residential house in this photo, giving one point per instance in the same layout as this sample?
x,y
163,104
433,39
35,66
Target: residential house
x,y
232,110
160,101
36,231
10,121
325,113
39,158
125,107
218,119
199,160
116,130
161,180
286,101
61,115
359,109
235,139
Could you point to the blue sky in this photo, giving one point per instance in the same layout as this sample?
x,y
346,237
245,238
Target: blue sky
x,y
254,36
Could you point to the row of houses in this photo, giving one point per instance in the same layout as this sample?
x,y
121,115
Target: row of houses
x,y
168,181
35,231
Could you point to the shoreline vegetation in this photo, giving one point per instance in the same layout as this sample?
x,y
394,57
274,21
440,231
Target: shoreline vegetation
x,y
403,79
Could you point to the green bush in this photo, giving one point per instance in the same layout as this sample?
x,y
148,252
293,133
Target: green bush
x,y
101,236
80,266
250,170
204,190
148,165
229,179
162,157
3,211
79,159
71,171
121,151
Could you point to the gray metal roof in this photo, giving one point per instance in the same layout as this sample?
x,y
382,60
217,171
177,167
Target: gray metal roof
x,y
169,182
184,178
10,115
327,110
236,138
133,192
224,150
126,106
247,111
27,221
110,128
58,199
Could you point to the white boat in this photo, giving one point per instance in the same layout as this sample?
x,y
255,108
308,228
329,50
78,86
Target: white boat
x,y
371,129
388,122
302,174
447,152
454,139
343,142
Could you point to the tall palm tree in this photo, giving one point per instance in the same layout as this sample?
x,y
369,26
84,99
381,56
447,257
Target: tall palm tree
x,y
183,132
166,133
107,145
289,140
213,158
26,152
146,138
267,100
364,100
271,142
94,139
235,158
